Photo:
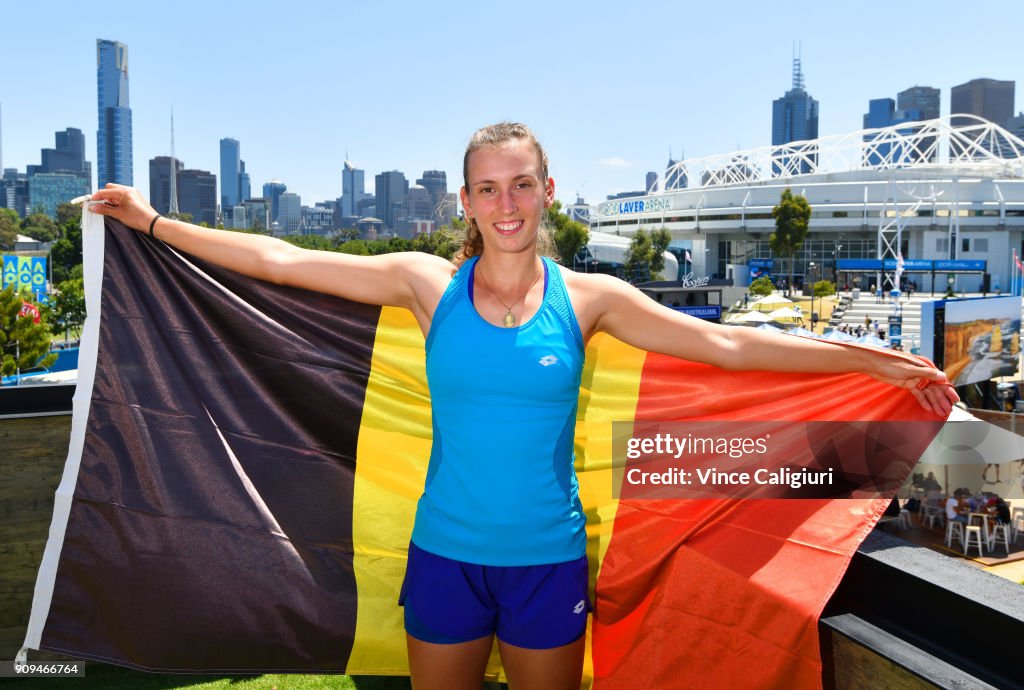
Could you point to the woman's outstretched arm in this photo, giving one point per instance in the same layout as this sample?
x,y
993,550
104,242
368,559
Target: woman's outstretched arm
x,y
413,280
610,305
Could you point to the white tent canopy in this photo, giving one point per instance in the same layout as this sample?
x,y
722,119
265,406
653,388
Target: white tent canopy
x,y
785,314
770,301
750,317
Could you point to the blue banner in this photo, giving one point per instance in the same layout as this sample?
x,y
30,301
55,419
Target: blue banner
x,y
860,264
711,311
25,273
960,265
912,265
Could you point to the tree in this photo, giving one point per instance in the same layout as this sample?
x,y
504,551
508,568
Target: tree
x,y
792,217
66,310
761,287
824,288
23,343
41,227
66,253
660,239
442,242
68,214
568,235
310,242
638,257
10,223
357,247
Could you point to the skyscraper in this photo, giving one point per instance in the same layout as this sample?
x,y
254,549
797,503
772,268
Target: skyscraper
x,y
923,99
436,183
272,191
988,98
391,188
926,101
230,169
675,178
197,195
244,185
160,171
289,214
881,113
795,118
67,157
114,136
353,189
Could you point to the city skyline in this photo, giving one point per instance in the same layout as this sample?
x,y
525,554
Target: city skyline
x,y
584,80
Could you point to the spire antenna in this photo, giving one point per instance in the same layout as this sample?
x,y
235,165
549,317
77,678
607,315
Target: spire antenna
x,y
173,206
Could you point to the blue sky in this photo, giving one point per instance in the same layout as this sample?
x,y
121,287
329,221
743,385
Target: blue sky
x,y
607,87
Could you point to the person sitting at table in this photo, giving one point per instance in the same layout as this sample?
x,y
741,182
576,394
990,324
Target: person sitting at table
x,y
930,482
956,507
1002,511
933,498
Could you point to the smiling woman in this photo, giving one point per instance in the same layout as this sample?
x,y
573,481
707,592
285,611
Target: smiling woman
x,y
498,549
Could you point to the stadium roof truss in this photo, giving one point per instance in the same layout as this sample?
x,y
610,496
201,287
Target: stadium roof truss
x,y
972,143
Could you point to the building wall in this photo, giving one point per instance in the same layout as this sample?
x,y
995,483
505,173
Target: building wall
x,y
197,195
49,190
289,214
272,191
390,188
160,183
991,99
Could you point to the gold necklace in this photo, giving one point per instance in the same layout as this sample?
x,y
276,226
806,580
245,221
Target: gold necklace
x,y
509,319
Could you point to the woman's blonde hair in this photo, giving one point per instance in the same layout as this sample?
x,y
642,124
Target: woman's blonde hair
x,y
495,135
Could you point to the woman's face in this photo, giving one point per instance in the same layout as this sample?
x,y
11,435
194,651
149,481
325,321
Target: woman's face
x,y
507,195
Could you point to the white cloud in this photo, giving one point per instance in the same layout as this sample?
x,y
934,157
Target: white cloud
x,y
616,162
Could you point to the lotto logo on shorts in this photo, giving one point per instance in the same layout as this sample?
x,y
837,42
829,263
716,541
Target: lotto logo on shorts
x,y
580,606
547,360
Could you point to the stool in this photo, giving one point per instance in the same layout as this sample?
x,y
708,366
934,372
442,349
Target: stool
x,y
972,537
933,515
904,518
1017,523
1001,532
955,530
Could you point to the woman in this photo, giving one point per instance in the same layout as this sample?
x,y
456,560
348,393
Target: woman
x,y
502,302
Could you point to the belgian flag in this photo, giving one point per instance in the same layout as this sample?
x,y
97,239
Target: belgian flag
x,y
246,459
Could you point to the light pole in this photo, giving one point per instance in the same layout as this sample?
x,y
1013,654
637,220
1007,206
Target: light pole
x,y
810,275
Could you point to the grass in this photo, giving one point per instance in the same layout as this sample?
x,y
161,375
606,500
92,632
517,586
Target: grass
x,y
104,677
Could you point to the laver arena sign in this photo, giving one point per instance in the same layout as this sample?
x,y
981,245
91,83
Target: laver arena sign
x,y
616,208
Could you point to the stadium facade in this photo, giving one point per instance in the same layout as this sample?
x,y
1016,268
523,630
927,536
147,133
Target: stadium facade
x,y
943,203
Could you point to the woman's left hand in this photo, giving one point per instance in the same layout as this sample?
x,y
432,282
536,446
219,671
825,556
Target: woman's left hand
x,y
926,383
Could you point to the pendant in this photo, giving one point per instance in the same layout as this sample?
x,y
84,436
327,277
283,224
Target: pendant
x,y
510,320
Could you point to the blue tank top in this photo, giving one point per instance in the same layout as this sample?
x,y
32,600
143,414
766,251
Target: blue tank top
x,y
501,488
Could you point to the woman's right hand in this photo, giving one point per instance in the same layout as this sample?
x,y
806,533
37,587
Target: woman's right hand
x,y
125,204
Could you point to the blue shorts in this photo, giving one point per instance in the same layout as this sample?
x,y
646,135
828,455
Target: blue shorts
x,y
532,606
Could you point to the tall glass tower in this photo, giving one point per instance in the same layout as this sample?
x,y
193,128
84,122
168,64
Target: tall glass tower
x,y
795,118
353,189
230,174
114,136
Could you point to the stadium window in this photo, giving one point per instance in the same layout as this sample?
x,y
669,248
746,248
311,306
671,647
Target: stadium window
x,y
965,244
981,244
942,244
